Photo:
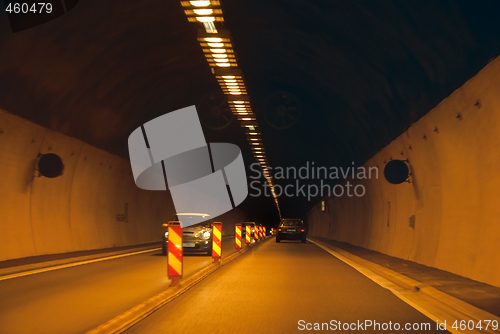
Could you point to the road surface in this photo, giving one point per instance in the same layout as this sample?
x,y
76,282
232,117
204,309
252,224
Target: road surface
x,y
77,299
285,287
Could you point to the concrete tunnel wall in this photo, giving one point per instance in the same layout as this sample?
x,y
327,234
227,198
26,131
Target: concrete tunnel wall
x,y
454,158
75,211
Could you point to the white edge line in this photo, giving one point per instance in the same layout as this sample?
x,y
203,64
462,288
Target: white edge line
x,y
74,264
385,284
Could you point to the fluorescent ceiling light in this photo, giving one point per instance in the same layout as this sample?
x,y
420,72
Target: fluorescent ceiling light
x,y
199,3
203,11
206,19
210,27
213,39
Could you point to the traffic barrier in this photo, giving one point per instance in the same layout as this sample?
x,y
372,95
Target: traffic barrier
x,y
256,233
264,231
237,236
260,232
248,234
216,241
174,256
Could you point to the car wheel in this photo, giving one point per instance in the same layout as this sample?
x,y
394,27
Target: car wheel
x,y
277,239
164,249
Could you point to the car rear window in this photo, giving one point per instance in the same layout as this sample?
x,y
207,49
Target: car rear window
x,y
291,223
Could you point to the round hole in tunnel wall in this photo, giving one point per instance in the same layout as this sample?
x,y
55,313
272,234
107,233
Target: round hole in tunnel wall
x,y
396,171
50,165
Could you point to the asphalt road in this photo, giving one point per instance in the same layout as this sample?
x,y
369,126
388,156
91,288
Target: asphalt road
x,y
273,287
77,299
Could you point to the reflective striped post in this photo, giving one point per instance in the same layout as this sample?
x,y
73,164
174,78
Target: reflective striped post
x,y
174,256
216,241
237,236
256,233
264,231
248,234
260,232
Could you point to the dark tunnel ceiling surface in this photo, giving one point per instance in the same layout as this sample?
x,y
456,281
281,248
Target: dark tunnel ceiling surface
x,y
362,71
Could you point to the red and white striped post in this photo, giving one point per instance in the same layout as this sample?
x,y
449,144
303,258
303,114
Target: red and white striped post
x,y
248,234
216,241
174,255
237,236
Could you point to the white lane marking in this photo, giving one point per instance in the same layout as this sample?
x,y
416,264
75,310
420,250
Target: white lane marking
x,y
74,264
431,311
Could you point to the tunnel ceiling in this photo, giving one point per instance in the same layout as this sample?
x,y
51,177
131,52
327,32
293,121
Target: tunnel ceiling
x,y
361,72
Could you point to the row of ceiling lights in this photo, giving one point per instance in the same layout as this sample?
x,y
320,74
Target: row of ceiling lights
x,y
218,49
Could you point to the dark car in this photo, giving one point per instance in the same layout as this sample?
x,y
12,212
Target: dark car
x,y
195,238
291,229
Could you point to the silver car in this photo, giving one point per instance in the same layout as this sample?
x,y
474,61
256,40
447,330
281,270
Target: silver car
x,y
195,238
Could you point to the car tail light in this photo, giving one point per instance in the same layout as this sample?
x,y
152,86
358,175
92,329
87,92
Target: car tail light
x,y
302,230
279,229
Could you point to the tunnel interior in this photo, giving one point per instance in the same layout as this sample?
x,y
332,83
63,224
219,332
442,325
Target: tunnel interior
x,y
365,83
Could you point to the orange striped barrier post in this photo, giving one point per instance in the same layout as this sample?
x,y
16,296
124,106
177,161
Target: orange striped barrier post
x,y
260,232
216,241
248,234
264,231
237,236
256,233
174,256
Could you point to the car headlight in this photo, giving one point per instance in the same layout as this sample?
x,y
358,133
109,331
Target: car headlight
x,y
166,234
206,234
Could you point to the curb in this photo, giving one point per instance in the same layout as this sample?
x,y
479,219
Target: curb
x,y
129,318
40,267
431,302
